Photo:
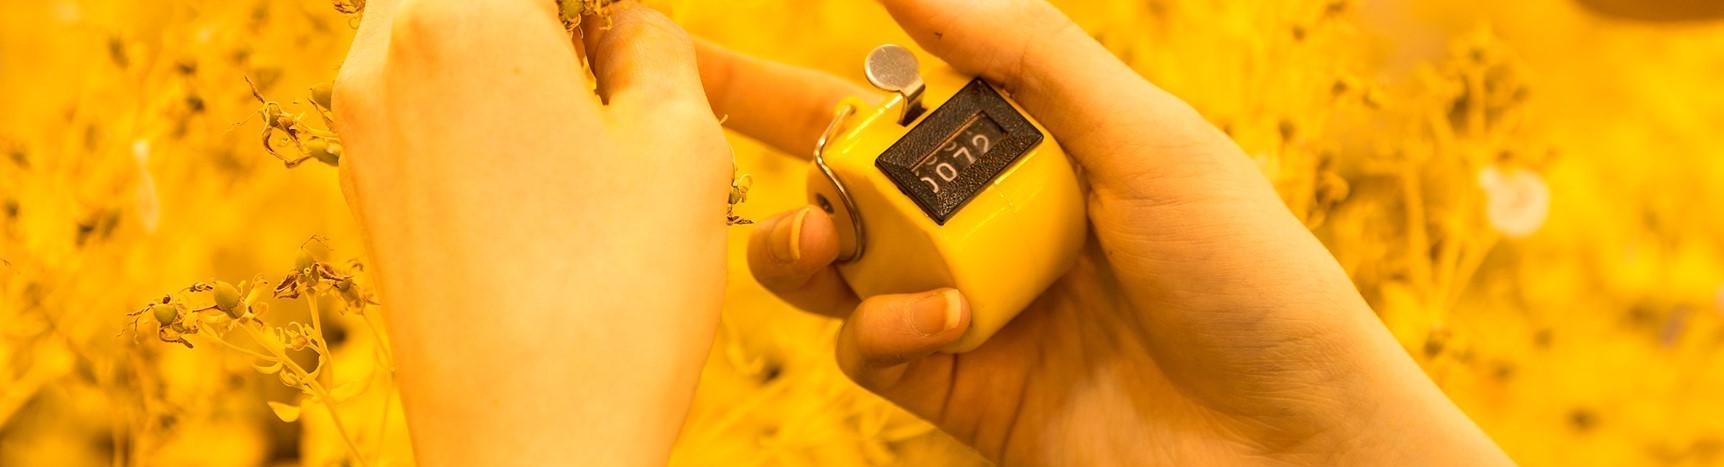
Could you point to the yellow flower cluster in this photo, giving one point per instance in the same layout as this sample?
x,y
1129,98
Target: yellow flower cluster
x,y
1528,193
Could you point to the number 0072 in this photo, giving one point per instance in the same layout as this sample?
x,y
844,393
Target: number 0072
x,y
972,141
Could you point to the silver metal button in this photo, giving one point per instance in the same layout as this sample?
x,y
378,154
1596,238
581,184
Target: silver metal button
x,y
893,68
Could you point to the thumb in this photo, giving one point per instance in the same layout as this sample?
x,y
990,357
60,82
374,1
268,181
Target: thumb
x,y
1091,101
887,332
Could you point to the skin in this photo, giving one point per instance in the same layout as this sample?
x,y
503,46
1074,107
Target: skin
x,y
553,257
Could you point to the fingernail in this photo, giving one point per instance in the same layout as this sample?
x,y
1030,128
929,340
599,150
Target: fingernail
x,y
937,312
787,237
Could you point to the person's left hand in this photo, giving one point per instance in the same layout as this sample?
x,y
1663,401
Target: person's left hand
x,y
551,259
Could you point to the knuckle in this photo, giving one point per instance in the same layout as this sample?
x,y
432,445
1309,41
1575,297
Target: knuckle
x,y
341,101
347,98
880,312
775,277
852,359
422,24
782,278
645,25
850,366
642,32
432,29
878,303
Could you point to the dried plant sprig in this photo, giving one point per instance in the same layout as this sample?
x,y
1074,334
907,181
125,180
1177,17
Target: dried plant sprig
x,y
236,310
740,182
349,7
311,143
572,11
739,185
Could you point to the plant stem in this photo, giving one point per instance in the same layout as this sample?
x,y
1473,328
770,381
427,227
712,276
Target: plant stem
x,y
305,379
329,404
383,421
1418,240
236,348
382,339
380,342
326,360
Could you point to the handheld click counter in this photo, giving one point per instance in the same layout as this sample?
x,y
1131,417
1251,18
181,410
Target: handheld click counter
x,y
972,194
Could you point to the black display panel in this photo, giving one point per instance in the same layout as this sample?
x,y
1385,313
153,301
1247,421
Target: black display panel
x,y
954,153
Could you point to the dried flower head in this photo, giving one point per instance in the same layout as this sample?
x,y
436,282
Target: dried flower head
x,y
573,10
310,143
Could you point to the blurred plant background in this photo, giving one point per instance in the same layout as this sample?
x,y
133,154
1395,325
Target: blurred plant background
x,y
1531,194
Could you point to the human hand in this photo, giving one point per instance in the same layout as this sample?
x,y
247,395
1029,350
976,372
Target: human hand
x,y
1203,323
539,245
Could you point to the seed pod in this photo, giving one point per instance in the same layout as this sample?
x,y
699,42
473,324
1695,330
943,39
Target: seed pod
x,y
354,300
274,116
164,313
304,261
324,151
321,95
227,298
350,7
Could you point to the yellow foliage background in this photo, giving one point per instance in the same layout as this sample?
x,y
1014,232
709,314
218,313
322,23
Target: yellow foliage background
x,y
132,167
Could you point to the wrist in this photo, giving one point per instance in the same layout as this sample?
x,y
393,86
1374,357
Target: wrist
x,y
539,371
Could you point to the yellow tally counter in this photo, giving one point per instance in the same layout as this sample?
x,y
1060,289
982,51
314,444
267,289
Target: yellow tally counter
x,y
972,194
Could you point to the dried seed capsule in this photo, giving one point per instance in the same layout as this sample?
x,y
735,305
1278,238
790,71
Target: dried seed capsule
x,y
275,117
321,95
164,313
351,295
227,298
304,261
324,151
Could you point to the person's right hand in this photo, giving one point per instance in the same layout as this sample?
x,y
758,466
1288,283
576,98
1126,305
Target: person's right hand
x,y
1203,324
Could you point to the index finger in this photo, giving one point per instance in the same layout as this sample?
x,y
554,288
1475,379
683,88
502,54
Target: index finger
x,y
784,106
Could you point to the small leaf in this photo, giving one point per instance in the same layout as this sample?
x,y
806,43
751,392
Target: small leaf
x,y
285,412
